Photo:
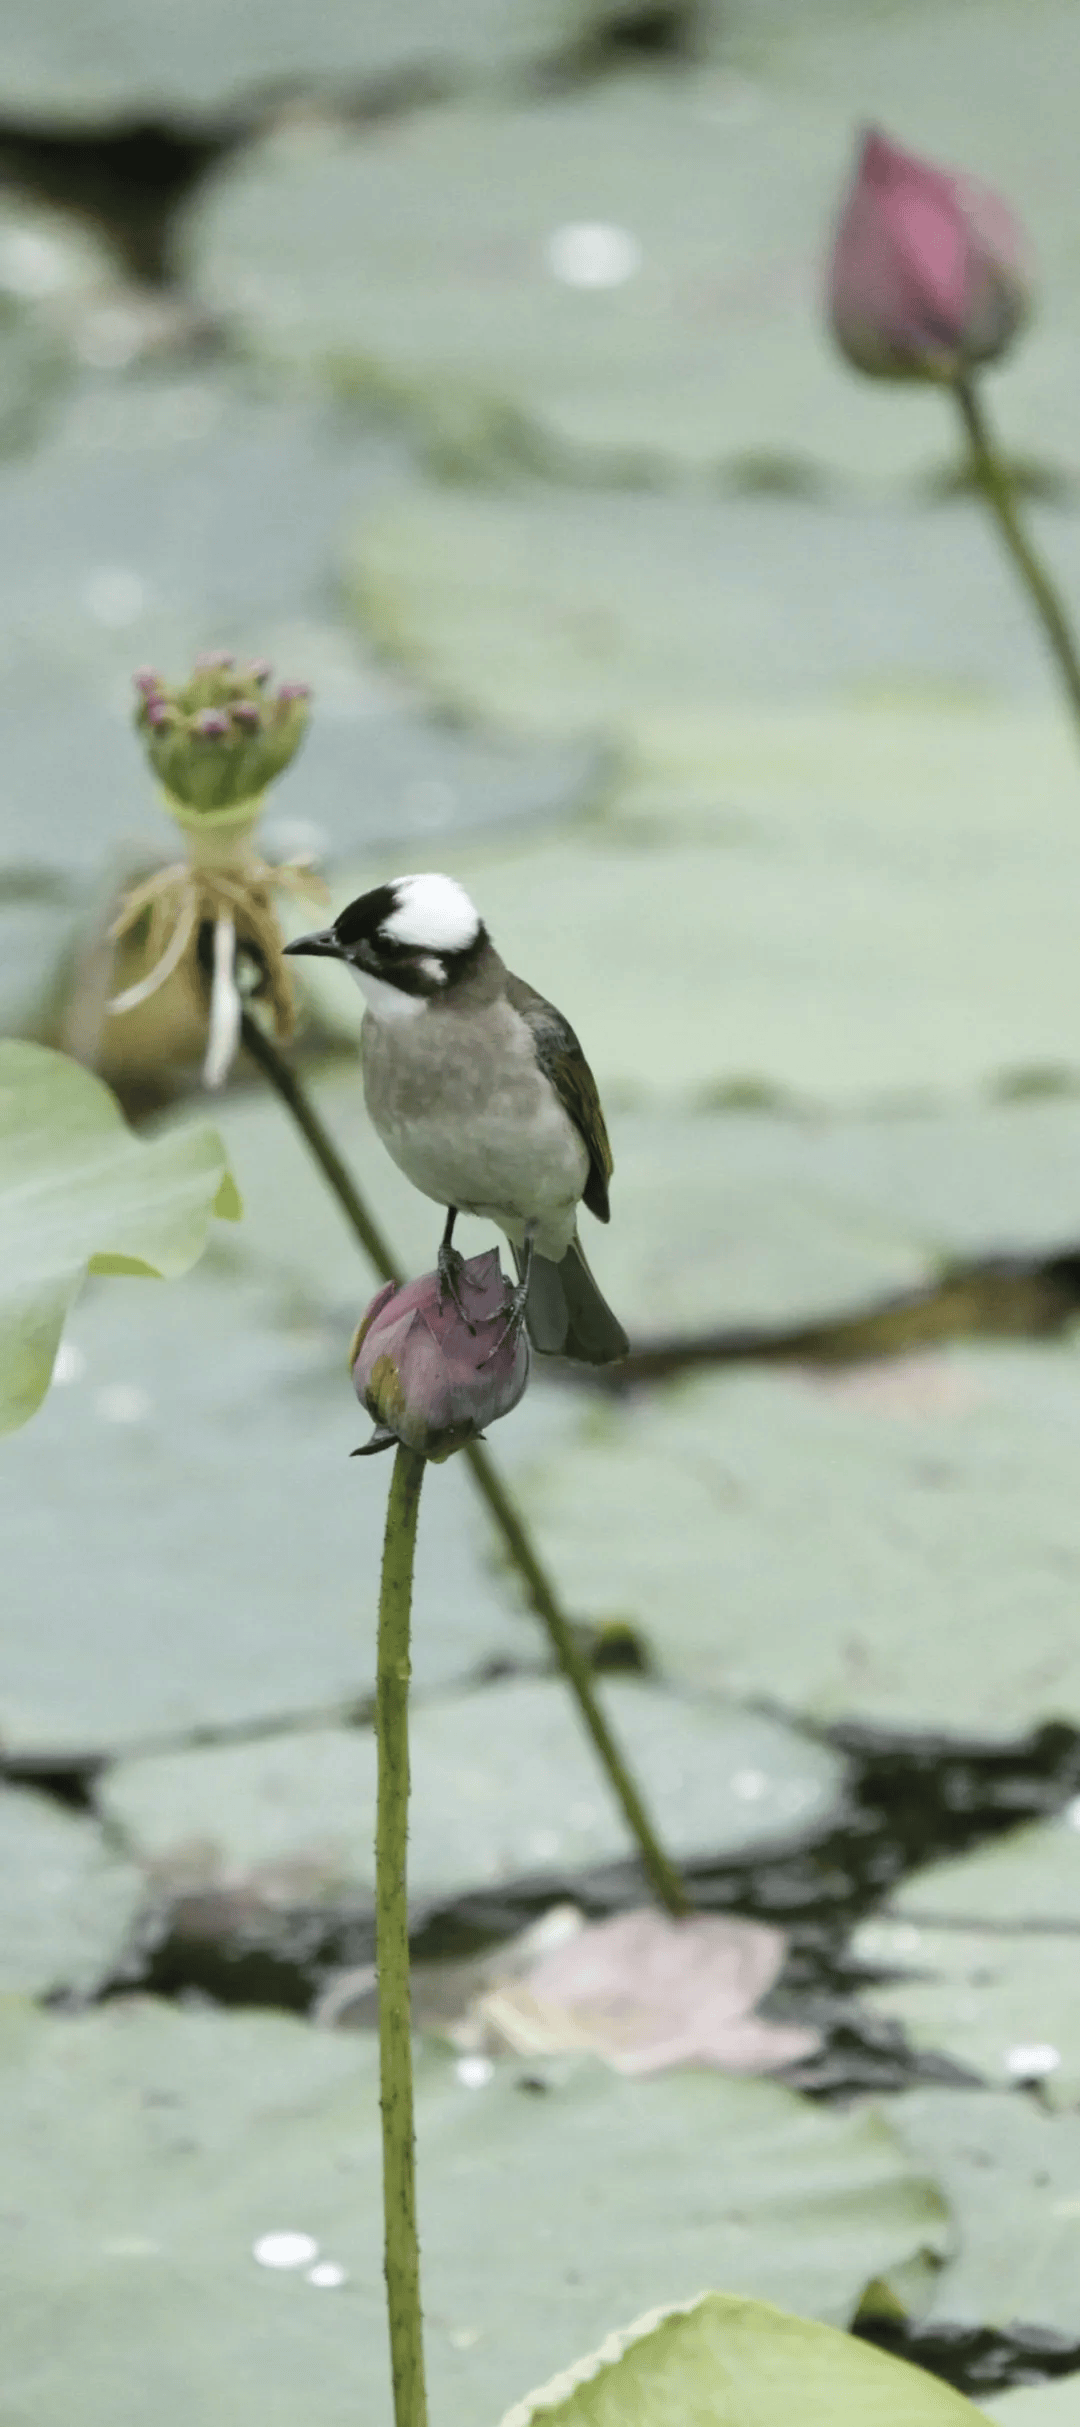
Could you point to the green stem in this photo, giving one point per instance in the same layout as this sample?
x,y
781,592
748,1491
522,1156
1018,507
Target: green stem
x,y
511,1525
997,488
283,1078
575,1668
402,2259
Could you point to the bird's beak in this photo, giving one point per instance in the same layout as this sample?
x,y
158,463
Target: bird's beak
x,y
321,945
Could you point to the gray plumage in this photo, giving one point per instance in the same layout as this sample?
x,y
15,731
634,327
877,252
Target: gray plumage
x,y
480,1092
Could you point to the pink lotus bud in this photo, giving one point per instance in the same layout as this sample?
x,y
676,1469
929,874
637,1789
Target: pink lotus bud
x,y
158,712
212,661
431,1376
246,712
146,681
291,691
929,272
212,723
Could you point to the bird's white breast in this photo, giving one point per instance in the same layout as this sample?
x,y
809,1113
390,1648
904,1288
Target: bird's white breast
x,y
463,1107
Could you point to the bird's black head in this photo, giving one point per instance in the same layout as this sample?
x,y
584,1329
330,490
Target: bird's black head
x,y
418,934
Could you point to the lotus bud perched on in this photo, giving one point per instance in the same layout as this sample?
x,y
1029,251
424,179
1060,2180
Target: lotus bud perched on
x,y
431,1372
929,276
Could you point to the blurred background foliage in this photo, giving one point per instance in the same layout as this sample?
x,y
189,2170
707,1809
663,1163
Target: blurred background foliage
x,y
470,364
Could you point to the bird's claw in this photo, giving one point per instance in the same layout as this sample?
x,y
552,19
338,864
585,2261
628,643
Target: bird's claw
x,y
512,1317
450,1265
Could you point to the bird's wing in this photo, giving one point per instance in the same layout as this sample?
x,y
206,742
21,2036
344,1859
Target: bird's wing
x,y
562,1061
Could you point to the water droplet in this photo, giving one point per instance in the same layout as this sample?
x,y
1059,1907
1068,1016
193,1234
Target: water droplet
x,y
327,2275
474,2072
750,1784
70,1364
589,254
123,1403
1032,2063
114,596
285,2249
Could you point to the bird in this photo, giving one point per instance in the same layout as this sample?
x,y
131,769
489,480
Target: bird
x,y
480,1092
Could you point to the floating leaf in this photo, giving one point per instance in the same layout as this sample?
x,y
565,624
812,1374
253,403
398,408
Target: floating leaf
x,y
190,1547
114,61
80,1192
1010,2175
896,1544
1056,2405
504,1782
999,2002
629,281
718,2362
844,883
1029,1880
984,1947
147,2150
67,1899
690,627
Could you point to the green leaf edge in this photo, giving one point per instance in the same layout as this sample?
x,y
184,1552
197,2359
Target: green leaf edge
x,y
56,1300
556,2405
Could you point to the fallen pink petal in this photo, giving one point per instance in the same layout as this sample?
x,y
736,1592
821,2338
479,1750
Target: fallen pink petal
x,y
648,1992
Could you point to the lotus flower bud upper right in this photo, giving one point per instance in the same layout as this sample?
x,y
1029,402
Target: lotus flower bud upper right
x,y
929,274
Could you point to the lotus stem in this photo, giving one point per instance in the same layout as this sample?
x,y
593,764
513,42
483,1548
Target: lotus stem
x,y
993,478
402,2248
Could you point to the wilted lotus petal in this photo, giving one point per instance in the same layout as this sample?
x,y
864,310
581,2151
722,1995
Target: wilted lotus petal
x,y
646,1992
929,275
432,1376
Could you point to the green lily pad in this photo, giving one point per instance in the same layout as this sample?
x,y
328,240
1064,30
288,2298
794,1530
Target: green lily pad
x,y
67,1899
846,883
1029,1880
1000,2003
81,1193
504,1782
148,2151
113,62
985,1947
629,284
670,618
1056,2405
896,1545
1011,2175
188,1546
719,2362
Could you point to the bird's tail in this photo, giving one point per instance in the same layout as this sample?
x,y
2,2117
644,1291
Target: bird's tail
x,y
565,1315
